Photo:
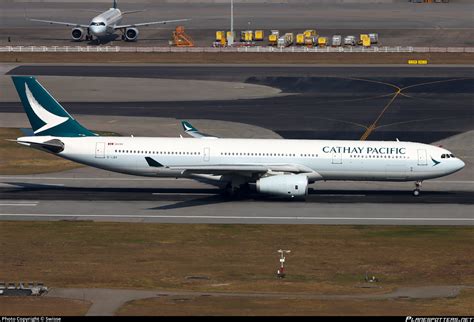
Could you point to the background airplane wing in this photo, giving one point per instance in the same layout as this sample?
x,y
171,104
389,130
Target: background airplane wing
x,y
61,23
194,132
132,11
142,24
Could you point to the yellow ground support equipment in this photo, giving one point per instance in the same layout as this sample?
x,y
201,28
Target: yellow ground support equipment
x,y
364,40
220,35
246,36
322,41
182,39
259,35
300,39
273,37
310,32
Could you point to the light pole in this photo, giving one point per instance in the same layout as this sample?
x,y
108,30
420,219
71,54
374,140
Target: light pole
x,y
230,38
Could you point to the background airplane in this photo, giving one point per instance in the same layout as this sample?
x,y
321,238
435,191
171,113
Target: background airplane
x,y
282,168
106,24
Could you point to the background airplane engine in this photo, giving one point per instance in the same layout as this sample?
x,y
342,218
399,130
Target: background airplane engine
x,y
131,34
285,185
77,34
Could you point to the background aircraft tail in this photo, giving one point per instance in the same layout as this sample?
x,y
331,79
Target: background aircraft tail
x,y
46,115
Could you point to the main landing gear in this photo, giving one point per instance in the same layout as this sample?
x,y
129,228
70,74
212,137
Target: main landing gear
x,y
417,190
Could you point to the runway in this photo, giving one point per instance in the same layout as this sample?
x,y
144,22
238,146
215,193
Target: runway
x,y
212,210
124,198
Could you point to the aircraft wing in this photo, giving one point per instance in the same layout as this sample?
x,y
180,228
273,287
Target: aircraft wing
x,y
238,169
143,24
71,24
192,131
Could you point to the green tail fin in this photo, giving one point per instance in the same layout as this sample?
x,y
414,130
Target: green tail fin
x,y
46,115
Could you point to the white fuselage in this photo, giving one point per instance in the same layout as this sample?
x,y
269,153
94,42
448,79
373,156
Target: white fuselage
x,y
332,160
104,24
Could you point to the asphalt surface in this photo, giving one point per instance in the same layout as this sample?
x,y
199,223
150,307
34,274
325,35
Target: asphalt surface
x,y
423,24
326,102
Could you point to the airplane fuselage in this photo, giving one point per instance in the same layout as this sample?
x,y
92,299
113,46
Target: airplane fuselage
x,y
104,24
330,160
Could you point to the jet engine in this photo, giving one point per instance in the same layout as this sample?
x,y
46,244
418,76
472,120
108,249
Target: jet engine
x,y
284,185
131,34
77,34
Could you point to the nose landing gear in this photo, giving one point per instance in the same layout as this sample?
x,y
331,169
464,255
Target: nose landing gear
x,y
417,190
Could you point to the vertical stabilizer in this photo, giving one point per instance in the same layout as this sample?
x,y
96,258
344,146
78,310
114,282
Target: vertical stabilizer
x,y
46,115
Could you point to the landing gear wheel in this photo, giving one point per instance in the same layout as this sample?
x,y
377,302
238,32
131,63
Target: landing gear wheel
x,y
123,37
417,190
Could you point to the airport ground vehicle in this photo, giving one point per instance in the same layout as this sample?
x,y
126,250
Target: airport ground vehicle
x,y
259,35
273,37
286,40
336,40
322,41
350,41
300,39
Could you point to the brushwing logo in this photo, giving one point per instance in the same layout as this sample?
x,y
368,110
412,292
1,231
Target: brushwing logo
x,y
435,163
186,127
51,120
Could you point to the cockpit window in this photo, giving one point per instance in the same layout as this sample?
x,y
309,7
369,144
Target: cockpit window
x,y
452,155
443,156
102,23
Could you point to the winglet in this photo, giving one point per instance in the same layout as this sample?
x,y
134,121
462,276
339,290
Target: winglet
x,y
153,163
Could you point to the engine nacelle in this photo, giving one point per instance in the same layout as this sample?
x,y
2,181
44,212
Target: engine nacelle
x,y
77,34
284,185
131,34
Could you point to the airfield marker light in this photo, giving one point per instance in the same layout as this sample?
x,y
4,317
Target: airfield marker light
x,y
281,270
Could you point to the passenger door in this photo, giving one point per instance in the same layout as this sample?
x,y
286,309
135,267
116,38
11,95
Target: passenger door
x,y
336,158
206,154
100,150
422,157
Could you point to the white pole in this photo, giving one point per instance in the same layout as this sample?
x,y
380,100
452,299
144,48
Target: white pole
x,y
230,40
232,16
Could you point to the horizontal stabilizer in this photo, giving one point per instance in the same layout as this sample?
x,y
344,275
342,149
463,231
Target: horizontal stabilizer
x,y
54,145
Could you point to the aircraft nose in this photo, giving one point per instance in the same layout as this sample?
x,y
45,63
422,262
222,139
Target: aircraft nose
x,y
97,30
461,164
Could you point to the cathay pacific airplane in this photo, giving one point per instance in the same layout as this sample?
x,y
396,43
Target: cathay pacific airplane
x,y
105,24
282,168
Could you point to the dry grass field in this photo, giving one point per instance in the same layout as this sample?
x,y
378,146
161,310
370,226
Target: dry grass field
x,y
37,306
324,259
185,305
